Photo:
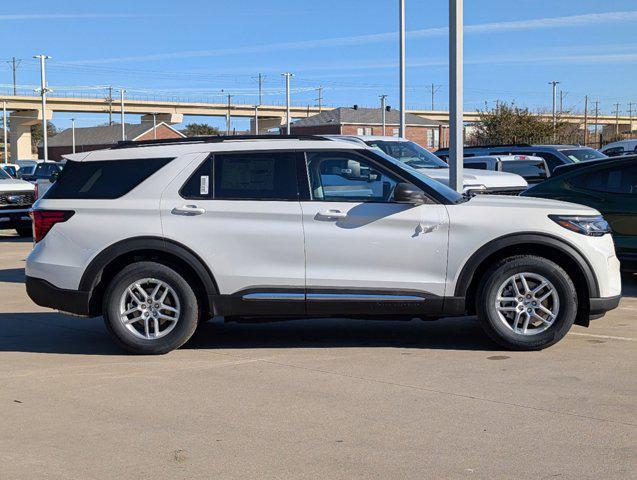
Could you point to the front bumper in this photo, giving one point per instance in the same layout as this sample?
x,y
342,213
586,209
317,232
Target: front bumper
x,y
14,219
45,294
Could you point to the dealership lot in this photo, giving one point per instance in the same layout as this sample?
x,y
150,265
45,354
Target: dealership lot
x,y
312,399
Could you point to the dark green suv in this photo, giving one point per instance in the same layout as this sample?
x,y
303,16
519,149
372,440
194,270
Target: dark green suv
x,y
609,186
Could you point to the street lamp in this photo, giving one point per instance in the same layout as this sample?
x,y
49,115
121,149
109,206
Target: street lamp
x,y
43,91
456,131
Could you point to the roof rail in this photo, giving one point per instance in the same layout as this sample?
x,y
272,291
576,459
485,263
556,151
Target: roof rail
x,y
210,139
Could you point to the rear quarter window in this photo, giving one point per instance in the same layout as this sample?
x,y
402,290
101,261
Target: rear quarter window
x,y
106,179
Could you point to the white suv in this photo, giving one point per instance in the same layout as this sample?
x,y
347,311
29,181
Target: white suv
x,y
162,235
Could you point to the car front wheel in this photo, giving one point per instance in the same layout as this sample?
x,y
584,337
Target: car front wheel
x,y
526,303
150,308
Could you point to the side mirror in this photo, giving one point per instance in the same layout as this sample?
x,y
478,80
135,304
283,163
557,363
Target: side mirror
x,y
54,176
409,193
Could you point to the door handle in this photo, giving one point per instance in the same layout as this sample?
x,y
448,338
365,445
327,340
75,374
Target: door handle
x,y
188,210
331,214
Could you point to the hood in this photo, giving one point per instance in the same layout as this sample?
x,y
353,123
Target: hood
x,y
472,176
15,185
522,203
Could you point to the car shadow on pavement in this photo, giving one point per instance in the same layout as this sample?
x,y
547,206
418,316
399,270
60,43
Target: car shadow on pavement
x,y
51,332
12,275
447,334
44,332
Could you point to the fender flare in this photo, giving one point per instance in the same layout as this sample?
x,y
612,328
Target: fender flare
x,y
93,273
469,268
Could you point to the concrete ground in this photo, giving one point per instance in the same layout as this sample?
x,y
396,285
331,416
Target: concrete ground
x,y
312,399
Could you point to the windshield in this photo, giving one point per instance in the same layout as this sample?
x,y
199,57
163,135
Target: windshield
x,y
4,175
442,189
583,154
408,152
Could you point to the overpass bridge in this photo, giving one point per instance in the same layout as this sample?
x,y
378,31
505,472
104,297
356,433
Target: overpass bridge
x,y
26,111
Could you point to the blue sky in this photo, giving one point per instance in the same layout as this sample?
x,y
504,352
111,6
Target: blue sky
x,y
205,49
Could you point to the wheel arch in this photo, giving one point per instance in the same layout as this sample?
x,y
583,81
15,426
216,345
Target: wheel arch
x,y
173,254
545,245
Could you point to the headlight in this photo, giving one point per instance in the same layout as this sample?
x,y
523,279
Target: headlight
x,y
592,226
473,189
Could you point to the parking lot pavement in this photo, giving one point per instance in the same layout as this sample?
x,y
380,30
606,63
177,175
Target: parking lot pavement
x,y
311,399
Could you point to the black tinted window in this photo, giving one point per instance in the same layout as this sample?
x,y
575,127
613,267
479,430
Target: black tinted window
x,y
103,179
531,170
620,179
199,185
255,176
613,152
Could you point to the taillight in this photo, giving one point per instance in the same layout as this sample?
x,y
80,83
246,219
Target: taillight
x,y
43,221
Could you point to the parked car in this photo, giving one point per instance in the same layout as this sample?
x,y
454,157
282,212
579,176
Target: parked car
x,y
611,188
474,181
622,147
532,169
11,168
555,155
43,170
42,185
27,166
255,228
16,198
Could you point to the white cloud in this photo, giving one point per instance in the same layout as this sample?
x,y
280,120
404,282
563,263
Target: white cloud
x,y
64,16
534,24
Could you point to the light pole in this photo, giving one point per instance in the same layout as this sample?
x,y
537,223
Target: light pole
x,y
555,84
154,126
4,131
382,111
287,76
73,134
228,120
121,106
256,119
456,131
43,92
401,29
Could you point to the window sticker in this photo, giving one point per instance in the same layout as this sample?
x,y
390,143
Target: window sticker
x,y
204,185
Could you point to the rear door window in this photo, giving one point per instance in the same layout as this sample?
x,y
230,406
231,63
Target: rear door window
x,y
105,179
255,176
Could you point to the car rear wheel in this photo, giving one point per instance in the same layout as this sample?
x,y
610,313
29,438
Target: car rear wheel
x,y
526,303
150,308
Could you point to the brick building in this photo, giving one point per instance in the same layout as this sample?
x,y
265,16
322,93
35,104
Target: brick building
x,y
429,133
98,138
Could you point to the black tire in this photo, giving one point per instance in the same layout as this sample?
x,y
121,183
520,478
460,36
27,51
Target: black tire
x,y
188,317
496,329
24,232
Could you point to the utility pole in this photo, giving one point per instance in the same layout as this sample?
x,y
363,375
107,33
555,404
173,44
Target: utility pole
x,y
259,79
555,84
73,135
401,52
256,119
630,116
383,110
15,63
228,122
4,131
456,123
562,95
121,106
320,99
43,91
585,120
433,89
596,118
287,76
109,99
154,126
617,119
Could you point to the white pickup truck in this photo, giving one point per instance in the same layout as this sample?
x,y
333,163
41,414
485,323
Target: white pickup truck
x,y
412,154
16,198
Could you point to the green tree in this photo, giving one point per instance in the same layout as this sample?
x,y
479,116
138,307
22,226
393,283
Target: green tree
x,y
36,134
199,129
508,123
